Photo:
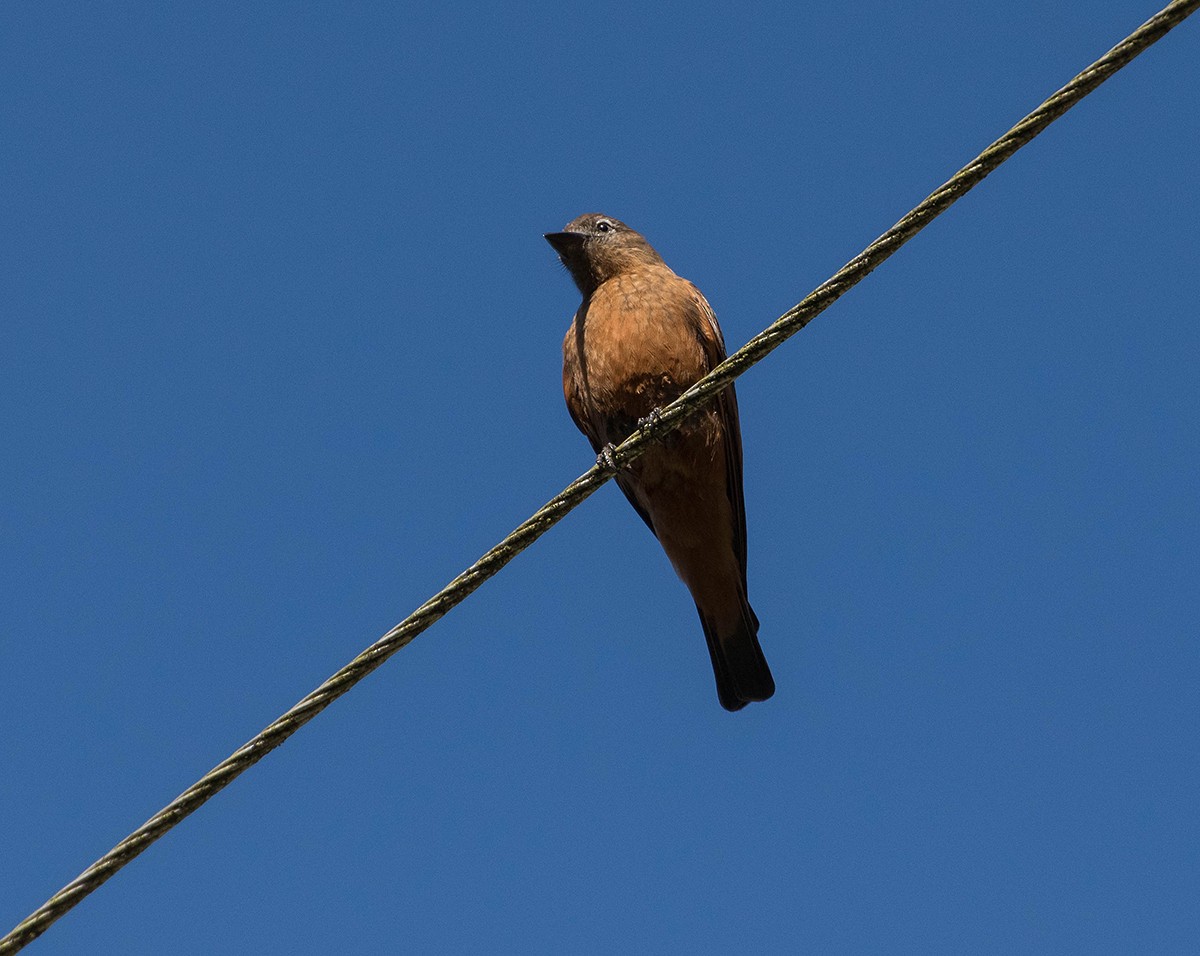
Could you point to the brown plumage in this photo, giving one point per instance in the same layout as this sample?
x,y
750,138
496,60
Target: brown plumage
x,y
641,336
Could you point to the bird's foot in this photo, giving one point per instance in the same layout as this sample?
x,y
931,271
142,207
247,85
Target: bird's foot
x,y
605,459
651,423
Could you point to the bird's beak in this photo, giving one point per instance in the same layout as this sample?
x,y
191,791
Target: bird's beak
x,y
565,243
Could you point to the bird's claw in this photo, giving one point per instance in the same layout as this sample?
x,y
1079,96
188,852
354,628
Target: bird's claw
x,y
651,423
605,459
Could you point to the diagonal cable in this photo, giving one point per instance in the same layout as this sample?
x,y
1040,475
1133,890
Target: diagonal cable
x,y
570,497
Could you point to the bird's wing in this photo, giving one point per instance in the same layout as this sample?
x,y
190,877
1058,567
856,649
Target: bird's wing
x,y
573,385
626,486
713,343
577,407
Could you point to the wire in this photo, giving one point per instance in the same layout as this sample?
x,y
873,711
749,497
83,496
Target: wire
x,y
574,494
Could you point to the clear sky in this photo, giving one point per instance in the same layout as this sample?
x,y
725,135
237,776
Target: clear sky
x,y
280,355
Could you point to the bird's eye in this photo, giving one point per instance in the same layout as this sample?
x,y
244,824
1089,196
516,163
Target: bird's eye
x,y
604,226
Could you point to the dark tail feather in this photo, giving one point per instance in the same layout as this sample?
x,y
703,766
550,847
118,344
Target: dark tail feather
x,y
738,663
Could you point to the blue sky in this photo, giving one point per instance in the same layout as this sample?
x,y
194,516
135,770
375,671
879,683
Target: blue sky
x,y
280,356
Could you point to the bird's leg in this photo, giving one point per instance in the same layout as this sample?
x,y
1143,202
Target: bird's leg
x,y
651,423
605,459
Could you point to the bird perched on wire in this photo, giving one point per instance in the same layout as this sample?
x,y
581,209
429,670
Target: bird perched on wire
x,y
641,336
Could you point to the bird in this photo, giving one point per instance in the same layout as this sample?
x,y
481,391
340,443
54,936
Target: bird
x,y
641,336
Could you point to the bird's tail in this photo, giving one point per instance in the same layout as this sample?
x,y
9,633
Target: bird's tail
x,y
738,664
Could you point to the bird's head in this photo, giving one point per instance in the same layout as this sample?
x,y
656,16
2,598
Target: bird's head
x,y
595,247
